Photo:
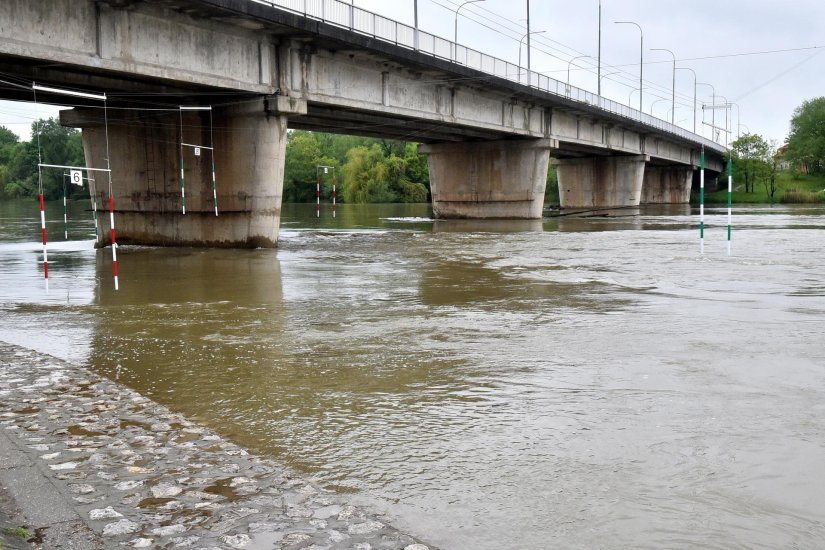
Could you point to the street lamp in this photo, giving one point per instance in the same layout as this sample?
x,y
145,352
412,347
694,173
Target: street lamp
x,y
568,67
654,103
602,77
455,35
520,44
694,93
738,114
673,106
641,56
713,112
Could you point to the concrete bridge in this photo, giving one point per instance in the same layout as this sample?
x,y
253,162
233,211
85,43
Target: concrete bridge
x,y
489,128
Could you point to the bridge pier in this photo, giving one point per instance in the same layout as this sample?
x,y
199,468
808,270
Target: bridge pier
x,y
144,147
601,182
667,184
490,179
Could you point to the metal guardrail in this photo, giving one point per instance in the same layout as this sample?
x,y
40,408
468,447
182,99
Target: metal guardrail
x,y
345,15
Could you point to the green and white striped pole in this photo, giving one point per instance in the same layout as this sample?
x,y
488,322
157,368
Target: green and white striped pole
x,y
65,212
730,199
702,201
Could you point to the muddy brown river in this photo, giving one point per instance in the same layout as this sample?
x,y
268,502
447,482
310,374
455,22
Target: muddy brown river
x,y
575,382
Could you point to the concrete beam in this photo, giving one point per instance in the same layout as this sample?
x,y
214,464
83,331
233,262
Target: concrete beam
x,y
499,179
601,182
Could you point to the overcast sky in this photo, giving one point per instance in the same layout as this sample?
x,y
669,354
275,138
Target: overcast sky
x,y
706,36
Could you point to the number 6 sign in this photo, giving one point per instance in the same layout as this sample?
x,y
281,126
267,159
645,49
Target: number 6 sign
x,y
76,177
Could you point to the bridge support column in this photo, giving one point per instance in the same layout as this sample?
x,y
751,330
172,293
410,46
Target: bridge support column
x,y
145,151
601,182
667,184
497,179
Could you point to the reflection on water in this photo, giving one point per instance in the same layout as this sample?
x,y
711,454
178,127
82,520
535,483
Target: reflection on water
x,y
585,381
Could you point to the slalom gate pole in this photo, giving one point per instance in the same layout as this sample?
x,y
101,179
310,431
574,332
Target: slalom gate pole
x,y
334,194
65,212
43,234
702,201
730,201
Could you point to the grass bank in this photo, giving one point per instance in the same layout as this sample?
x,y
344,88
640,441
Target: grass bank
x,y
789,189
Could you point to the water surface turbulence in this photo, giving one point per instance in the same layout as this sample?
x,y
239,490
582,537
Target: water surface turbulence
x,y
573,382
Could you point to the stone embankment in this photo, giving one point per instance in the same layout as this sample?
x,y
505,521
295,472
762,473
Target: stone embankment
x,y
86,463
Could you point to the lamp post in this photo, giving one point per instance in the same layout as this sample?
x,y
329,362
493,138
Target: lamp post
x,y
713,112
641,56
415,19
599,60
570,63
602,77
520,43
654,103
455,34
694,93
528,40
738,114
726,105
673,100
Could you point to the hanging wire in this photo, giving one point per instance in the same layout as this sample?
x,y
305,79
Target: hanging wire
x,y
182,184
214,179
111,196
40,192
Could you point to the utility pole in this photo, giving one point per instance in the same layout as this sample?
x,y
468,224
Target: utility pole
x,y
528,41
599,90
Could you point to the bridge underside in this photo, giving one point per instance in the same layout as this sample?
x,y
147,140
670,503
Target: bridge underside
x,y
264,70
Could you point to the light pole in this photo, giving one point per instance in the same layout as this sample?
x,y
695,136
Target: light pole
x,y
528,41
602,77
726,105
599,60
673,106
570,63
415,19
694,93
654,103
738,114
641,56
455,35
713,112
521,43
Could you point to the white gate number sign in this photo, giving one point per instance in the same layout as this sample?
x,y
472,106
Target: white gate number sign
x,y
197,151
77,177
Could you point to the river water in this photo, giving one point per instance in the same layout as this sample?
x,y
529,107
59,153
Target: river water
x,y
576,382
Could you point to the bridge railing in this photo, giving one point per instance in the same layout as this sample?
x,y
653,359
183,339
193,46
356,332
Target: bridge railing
x,y
344,14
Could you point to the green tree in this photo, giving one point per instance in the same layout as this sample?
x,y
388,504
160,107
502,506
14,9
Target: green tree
x,y
56,145
370,176
418,169
772,168
806,142
8,142
751,155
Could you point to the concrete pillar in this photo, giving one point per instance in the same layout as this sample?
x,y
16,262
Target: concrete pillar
x,y
601,182
489,180
667,184
144,147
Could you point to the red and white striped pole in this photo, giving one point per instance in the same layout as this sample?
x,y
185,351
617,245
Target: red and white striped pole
x,y
333,196
114,239
318,196
43,234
